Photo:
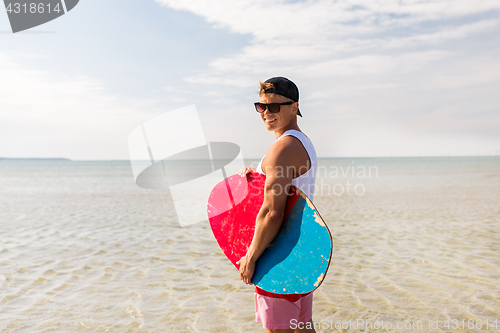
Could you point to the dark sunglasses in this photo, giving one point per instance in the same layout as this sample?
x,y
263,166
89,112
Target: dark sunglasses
x,y
272,107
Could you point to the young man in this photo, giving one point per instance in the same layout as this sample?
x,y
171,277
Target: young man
x,y
291,160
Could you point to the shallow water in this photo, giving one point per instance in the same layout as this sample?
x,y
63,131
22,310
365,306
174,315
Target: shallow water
x,y
83,249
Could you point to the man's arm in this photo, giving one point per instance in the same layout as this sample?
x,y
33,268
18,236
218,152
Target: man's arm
x,y
278,162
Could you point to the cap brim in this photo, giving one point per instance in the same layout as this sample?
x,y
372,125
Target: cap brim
x,y
298,113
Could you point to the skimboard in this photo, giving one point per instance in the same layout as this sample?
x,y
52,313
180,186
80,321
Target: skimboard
x,y
297,259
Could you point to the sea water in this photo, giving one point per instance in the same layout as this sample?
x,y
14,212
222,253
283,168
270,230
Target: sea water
x,y
84,249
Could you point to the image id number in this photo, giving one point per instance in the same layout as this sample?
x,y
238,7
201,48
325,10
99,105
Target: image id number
x,y
33,8
470,324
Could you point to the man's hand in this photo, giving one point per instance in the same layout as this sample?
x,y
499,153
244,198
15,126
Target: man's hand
x,y
247,268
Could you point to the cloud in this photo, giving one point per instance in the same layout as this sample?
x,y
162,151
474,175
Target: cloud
x,y
372,64
47,114
175,95
377,77
286,36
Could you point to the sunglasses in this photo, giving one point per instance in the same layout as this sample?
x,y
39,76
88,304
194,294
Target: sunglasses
x,y
272,107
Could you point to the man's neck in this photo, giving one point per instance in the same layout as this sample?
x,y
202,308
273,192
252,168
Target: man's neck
x,y
279,132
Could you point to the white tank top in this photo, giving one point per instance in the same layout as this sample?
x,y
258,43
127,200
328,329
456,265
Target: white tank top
x,y
307,180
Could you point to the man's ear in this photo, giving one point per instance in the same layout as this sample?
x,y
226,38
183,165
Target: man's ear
x,y
295,107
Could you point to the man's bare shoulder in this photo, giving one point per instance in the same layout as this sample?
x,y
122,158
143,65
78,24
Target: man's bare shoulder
x,y
282,148
285,151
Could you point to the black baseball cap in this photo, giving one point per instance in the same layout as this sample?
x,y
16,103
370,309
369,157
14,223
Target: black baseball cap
x,y
284,87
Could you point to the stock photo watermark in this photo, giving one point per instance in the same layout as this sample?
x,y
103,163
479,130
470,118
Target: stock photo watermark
x,y
347,180
24,15
350,179
384,325
170,152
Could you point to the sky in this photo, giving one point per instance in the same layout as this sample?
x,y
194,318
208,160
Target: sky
x,y
376,77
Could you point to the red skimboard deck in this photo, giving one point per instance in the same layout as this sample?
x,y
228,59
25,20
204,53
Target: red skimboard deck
x,y
298,258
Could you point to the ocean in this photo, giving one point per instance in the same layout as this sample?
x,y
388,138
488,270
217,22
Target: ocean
x,y
84,249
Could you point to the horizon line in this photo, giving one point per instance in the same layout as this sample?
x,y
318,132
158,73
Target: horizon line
x,y
248,158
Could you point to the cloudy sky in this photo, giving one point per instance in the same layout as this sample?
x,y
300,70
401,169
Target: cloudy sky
x,y
376,77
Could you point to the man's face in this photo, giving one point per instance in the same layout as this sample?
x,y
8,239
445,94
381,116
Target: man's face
x,y
275,121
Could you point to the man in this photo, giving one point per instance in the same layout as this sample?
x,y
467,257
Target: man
x,y
291,160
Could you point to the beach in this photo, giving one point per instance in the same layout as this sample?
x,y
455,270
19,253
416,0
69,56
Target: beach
x,y
84,249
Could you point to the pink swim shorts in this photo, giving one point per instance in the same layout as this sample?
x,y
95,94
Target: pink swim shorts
x,y
279,313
